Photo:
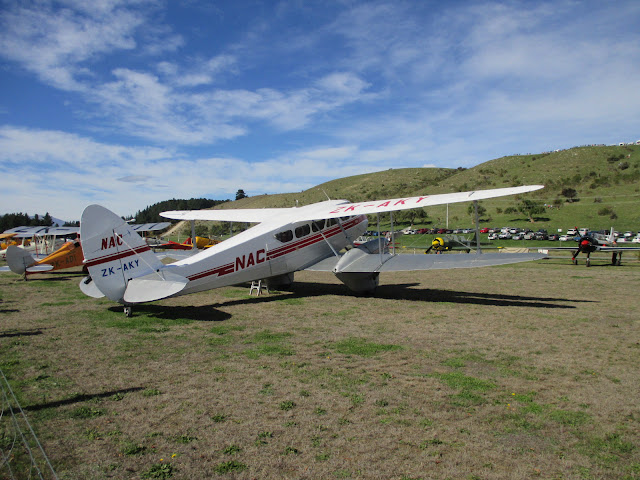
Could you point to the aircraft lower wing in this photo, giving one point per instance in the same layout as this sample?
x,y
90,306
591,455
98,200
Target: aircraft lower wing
x,y
409,262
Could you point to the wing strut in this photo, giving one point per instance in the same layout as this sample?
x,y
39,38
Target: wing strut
x,y
194,245
379,240
329,243
475,208
393,235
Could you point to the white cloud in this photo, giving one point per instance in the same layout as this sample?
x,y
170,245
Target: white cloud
x,y
54,43
364,86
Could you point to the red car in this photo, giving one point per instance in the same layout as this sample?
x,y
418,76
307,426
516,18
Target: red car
x,y
484,230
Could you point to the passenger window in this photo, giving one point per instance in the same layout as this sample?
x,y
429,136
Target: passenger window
x,y
285,236
317,225
303,231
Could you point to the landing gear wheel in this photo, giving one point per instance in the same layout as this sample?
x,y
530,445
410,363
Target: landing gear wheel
x,y
588,262
128,311
574,261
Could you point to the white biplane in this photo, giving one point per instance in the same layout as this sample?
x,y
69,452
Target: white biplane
x,y
285,240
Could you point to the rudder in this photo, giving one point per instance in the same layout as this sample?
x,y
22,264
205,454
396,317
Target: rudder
x,y
113,252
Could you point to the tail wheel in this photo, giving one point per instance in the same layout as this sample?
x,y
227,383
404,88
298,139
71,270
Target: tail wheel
x,y
128,311
588,262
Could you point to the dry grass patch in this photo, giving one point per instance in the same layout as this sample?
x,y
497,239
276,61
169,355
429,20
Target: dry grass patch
x,y
526,371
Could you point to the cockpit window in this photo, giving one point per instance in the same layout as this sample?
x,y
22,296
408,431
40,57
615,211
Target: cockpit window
x,y
317,225
285,236
303,230
331,222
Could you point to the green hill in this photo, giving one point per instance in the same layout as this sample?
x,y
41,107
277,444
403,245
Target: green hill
x,y
606,180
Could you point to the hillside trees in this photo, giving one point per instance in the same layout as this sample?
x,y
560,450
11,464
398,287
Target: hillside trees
x,y
481,211
530,208
570,194
151,214
12,220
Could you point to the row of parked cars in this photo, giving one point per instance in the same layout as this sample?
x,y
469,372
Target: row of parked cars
x,y
530,235
514,233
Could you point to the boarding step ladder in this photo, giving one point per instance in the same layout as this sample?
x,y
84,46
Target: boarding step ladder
x,y
258,286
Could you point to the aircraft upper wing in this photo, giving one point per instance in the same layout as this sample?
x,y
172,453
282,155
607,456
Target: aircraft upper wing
x,y
40,231
22,232
343,208
150,227
251,215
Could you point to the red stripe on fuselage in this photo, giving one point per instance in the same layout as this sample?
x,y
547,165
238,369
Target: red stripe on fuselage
x,y
117,256
220,271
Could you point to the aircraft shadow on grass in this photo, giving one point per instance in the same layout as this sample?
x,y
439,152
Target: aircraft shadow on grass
x,y
80,397
390,292
17,333
203,313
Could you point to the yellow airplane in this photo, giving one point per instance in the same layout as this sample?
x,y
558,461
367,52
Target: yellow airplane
x,y
22,262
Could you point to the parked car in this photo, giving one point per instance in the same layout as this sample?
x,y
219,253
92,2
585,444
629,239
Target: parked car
x,y
541,236
553,237
529,236
484,230
565,238
493,236
572,232
518,236
505,236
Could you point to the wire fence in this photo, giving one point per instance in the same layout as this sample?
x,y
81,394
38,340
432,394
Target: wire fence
x,y
21,454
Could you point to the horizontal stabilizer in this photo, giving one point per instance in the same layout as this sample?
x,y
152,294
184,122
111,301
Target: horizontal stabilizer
x,y
18,259
89,288
154,286
44,267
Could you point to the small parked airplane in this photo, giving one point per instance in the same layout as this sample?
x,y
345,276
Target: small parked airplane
x,y
285,240
597,242
201,242
454,242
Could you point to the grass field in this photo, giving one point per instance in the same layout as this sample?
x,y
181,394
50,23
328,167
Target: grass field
x,y
519,372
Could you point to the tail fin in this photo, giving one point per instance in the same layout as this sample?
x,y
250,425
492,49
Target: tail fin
x,y
18,259
115,254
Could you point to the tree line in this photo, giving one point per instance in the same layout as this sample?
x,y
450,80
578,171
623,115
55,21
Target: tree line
x,y
12,220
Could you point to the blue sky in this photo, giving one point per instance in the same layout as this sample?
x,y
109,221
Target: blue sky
x,y
127,103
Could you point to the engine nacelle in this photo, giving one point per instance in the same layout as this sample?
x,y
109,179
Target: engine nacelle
x,y
360,281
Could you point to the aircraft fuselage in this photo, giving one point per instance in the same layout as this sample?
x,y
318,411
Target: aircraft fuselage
x,y
267,251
